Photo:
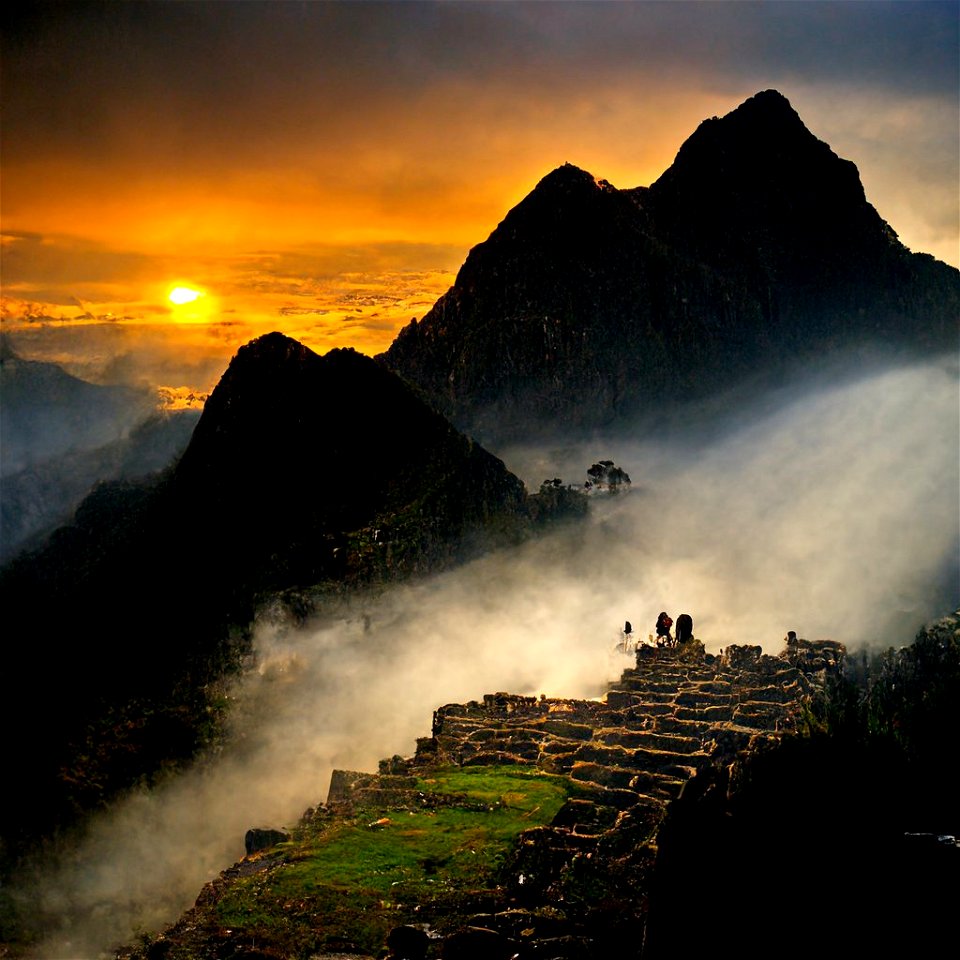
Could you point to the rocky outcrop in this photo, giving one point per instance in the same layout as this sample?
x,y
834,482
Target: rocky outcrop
x,y
262,838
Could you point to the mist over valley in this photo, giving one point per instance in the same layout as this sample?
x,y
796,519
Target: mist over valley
x,y
830,511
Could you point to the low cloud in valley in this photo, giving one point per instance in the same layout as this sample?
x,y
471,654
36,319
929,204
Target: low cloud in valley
x,y
830,508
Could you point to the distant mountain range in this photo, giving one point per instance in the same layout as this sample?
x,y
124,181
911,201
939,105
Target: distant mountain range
x,y
46,412
43,496
589,305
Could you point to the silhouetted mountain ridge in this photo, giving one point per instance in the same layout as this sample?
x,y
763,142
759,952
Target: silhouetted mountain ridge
x,y
302,449
588,304
302,471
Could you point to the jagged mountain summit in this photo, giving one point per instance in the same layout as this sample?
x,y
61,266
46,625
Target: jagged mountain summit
x,y
308,448
755,249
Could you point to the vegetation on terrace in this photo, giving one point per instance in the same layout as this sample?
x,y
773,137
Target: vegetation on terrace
x,y
344,883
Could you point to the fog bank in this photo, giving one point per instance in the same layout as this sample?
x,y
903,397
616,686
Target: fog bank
x,y
831,510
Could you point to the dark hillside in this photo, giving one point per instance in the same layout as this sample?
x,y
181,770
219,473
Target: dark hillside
x,y
303,470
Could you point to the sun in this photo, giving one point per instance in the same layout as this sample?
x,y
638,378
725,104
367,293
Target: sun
x,y
182,295
191,304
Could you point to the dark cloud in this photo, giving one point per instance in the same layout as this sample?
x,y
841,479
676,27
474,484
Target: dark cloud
x,y
302,312
224,76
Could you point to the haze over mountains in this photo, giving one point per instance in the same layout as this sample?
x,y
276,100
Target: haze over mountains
x,y
589,312
47,412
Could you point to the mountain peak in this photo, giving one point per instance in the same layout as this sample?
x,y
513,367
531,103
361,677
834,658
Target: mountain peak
x,y
272,347
763,134
567,173
566,195
568,178
769,103
589,303
757,182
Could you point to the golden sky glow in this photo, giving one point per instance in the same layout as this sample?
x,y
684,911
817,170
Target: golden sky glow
x,y
323,168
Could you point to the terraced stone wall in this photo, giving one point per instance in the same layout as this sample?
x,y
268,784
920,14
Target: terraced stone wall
x,y
677,711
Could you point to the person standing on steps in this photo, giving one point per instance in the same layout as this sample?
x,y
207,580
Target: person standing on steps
x,y
664,623
684,628
626,642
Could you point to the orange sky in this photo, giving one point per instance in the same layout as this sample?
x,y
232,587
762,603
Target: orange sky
x,y
323,168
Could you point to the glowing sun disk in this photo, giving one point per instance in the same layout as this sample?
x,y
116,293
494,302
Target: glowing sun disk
x,y
181,295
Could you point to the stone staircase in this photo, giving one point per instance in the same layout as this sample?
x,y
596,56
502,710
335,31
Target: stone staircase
x,y
676,712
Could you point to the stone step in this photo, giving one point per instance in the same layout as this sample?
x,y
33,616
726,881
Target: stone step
x,y
677,673
586,817
771,694
648,687
457,727
504,734
496,758
523,749
698,698
715,686
760,716
708,714
607,796
630,759
647,695
568,729
693,728
602,774
621,699
648,739
659,786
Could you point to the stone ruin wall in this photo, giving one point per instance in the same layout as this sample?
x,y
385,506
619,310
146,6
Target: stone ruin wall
x,y
579,887
677,712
